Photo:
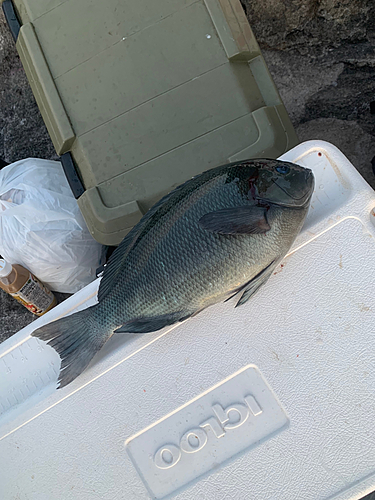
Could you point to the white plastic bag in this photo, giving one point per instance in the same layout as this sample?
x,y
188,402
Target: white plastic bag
x,y
41,226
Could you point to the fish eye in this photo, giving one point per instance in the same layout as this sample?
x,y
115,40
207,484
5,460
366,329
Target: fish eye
x,y
282,169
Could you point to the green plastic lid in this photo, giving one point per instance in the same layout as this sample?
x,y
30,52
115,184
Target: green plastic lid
x,y
144,95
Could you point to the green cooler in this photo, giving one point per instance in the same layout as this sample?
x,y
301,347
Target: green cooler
x,y
140,95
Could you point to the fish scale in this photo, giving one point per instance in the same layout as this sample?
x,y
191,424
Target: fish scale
x,y
222,232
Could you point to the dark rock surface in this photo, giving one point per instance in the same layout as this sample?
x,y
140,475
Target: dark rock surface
x,y
14,316
321,54
310,27
22,130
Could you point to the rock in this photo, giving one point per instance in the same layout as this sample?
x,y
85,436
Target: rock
x,y
299,79
322,58
14,316
22,130
309,25
349,99
333,92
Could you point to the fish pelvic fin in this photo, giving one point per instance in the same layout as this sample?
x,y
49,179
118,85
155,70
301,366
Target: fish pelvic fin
x,y
76,338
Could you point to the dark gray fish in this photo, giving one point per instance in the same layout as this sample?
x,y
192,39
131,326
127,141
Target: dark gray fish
x,y
221,233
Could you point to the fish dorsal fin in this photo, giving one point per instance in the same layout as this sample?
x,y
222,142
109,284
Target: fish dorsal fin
x,y
112,267
247,219
118,257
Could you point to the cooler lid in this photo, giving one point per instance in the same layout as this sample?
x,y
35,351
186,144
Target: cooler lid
x,y
145,95
273,399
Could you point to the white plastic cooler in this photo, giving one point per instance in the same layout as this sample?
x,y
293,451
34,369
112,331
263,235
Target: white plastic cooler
x,y
272,400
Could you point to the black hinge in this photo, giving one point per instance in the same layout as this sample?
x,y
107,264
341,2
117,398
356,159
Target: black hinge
x,y
72,175
11,18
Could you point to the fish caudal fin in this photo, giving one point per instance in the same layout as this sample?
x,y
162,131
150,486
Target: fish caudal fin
x,y
76,338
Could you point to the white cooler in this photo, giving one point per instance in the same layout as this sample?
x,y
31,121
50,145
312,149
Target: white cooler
x,y
272,400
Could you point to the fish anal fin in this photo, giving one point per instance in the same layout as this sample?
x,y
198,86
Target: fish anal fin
x,y
253,286
151,324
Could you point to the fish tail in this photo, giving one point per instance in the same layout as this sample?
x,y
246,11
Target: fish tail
x,y
76,338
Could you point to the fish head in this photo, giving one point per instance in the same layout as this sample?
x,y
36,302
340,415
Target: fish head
x,y
283,183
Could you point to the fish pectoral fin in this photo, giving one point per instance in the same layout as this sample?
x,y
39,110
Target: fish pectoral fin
x,y
150,324
254,285
248,219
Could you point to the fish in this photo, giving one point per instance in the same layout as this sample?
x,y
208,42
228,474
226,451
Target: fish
x,y
220,234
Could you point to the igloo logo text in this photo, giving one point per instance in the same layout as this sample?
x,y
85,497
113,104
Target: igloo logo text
x,y
194,440
236,414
